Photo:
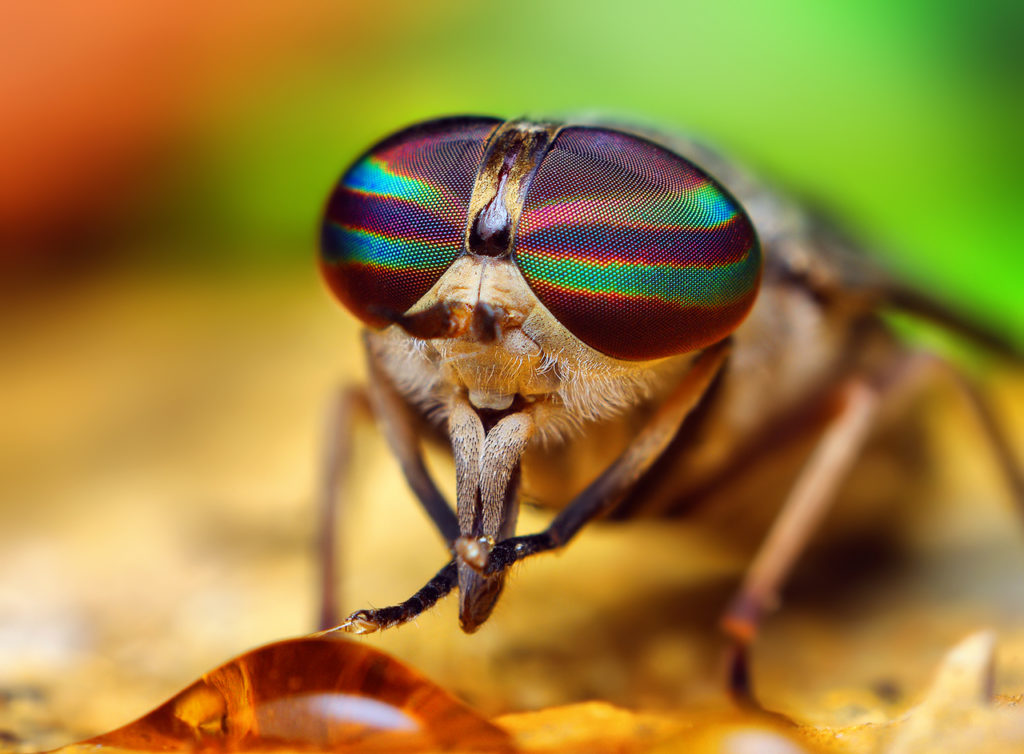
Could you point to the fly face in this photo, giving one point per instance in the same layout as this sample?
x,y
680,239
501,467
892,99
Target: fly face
x,y
536,260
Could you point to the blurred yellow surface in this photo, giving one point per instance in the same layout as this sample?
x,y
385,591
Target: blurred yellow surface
x,y
159,450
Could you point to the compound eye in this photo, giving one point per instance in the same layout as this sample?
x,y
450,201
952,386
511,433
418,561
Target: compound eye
x,y
397,218
635,250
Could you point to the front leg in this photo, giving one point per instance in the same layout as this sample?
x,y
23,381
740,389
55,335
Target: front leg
x,y
486,469
349,405
368,621
489,560
379,401
605,492
398,425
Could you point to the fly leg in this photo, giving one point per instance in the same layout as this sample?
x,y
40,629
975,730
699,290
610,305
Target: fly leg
x,y
486,469
605,492
377,619
490,560
923,306
400,430
808,502
349,405
380,401
994,433
815,490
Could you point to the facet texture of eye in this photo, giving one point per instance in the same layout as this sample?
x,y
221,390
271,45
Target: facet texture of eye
x,y
397,219
635,250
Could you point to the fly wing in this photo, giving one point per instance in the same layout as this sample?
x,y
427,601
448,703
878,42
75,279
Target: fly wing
x,y
838,267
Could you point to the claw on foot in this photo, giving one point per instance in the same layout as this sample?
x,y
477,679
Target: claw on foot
x,y
359,622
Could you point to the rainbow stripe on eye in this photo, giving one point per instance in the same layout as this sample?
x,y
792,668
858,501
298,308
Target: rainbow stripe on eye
x,y
375,250
711,209
371,176
716,286
397,219
633,249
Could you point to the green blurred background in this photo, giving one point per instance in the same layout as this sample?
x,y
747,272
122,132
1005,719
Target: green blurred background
x,y
207,135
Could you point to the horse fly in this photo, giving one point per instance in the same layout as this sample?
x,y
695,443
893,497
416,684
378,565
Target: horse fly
x,y
531,288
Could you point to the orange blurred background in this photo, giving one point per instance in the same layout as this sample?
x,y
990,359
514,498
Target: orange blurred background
x,y
100,99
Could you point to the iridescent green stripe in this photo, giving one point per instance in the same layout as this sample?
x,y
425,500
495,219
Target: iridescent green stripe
x,y
377,250
372,176
715,207
719,285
